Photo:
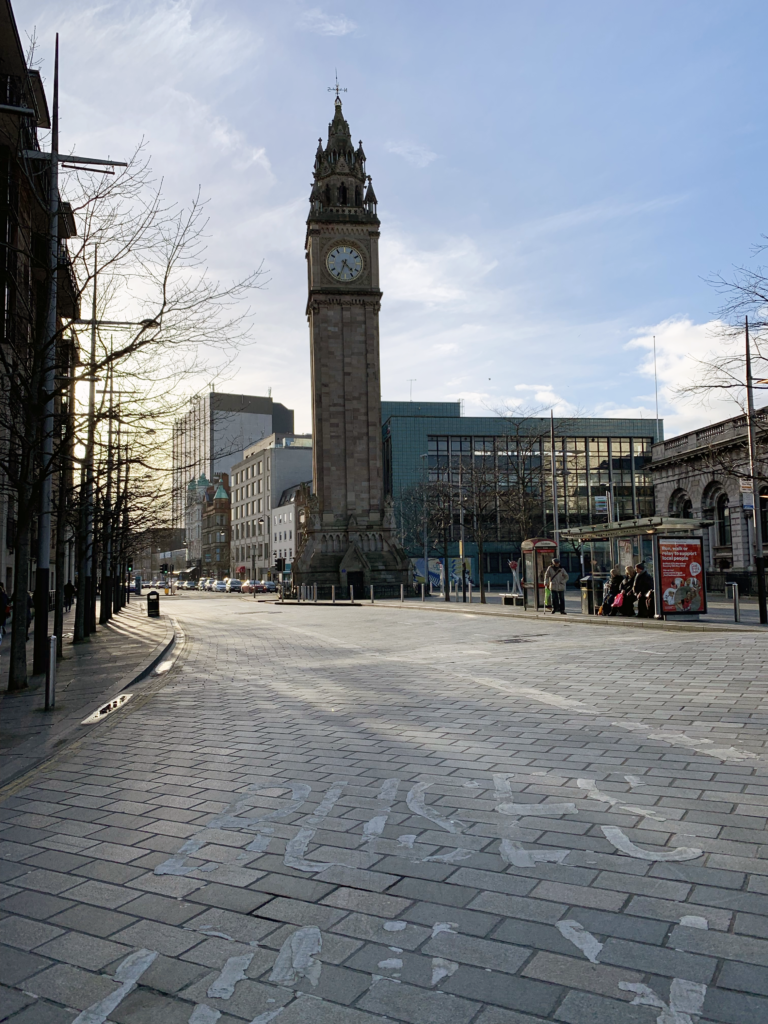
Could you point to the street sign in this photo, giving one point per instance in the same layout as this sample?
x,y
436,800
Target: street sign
x,y
747,494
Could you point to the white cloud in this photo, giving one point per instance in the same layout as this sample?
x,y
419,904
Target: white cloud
x,y
414,153
681,348
447,274
316,20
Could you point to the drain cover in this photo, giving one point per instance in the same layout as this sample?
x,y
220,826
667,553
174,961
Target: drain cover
x,y
107,709
519,639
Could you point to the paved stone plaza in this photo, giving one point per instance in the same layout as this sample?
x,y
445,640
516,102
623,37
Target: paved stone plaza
x,y
341,815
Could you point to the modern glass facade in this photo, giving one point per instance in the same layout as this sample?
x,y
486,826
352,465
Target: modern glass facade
x,y
600,464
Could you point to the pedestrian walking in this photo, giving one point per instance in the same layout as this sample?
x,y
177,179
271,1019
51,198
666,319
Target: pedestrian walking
x,y
5,607
627,584
611,590
69,593
30,612
556,579
643,590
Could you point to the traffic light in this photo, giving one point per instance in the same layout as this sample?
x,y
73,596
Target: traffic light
x,y
280,564
130,567
164,567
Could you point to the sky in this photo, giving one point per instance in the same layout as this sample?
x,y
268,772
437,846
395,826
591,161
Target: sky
x,y
557,182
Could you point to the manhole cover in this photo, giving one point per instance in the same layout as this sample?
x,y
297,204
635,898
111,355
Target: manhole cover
x,y
519,639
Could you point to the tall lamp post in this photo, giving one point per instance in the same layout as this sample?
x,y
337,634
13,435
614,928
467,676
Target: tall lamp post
x,y
756,510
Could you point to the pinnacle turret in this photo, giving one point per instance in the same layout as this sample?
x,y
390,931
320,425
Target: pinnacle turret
x,y
339,181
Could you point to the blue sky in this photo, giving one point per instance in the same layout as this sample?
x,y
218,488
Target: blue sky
x,y
556,181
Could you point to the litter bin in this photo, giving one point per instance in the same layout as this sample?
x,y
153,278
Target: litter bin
x,y
153,604
592,593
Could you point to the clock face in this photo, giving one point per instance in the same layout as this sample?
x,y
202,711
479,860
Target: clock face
x,y
344,263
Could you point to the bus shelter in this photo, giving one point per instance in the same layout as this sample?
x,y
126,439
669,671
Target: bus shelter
x,y
679,580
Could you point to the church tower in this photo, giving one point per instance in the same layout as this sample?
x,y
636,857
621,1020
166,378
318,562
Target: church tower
x,y
347,533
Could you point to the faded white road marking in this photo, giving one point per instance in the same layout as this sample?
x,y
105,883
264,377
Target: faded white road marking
x,y
394,926
454,857
685,998
443,926
296,958
635,781
296,848
232,972
680,739
593,793
230,819
537,810
693,921
415,801
128,972
442,969
203,1014
265,1018
386,797
392,964
581,938
406,841
515,854
617,838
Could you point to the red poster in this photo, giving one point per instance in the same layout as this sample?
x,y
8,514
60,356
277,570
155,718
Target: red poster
x,y
682,576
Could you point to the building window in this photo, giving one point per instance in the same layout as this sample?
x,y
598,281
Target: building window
x,y
723,521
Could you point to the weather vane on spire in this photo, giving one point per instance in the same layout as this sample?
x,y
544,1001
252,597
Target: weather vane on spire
x,y
336,88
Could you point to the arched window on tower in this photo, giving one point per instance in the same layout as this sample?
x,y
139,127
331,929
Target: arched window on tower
x,y
358,196
686,509
342,194
723,521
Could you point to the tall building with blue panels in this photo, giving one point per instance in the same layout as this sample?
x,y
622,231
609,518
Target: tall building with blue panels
x,y
601,465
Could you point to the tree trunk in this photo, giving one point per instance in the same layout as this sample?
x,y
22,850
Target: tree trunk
x,y
61,548
446,577
83,596
481,568
17,672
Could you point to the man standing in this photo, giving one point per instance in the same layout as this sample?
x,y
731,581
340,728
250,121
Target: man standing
x,y
69,593
556,579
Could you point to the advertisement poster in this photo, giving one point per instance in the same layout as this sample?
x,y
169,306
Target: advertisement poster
x,y
436,570
682,576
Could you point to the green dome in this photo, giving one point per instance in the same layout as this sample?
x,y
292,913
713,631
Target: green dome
x,y
220,492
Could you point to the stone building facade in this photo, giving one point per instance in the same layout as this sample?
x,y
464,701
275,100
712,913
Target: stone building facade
x,y
216,532
268,469
700,474
347,529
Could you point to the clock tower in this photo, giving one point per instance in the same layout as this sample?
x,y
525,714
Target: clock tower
x,y
346,529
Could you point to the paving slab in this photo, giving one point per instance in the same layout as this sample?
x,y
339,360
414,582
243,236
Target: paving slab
x,y
344,819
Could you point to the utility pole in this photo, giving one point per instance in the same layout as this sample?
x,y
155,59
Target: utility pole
x,y
756,510
43,571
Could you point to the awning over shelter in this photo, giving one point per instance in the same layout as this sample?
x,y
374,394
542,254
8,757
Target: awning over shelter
x,y
634,527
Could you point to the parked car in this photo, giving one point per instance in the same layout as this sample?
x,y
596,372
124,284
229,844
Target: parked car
x,y
270,586
219,587
257,587
246,587
234,586
210,583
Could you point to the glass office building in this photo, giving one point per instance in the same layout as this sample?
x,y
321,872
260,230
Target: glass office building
x,y
601,465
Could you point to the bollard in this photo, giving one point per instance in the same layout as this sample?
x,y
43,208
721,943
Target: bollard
x,y
507,586
333,593
50,675
469,590
371,593
315,589
736,604
402,592
351,594
423,592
